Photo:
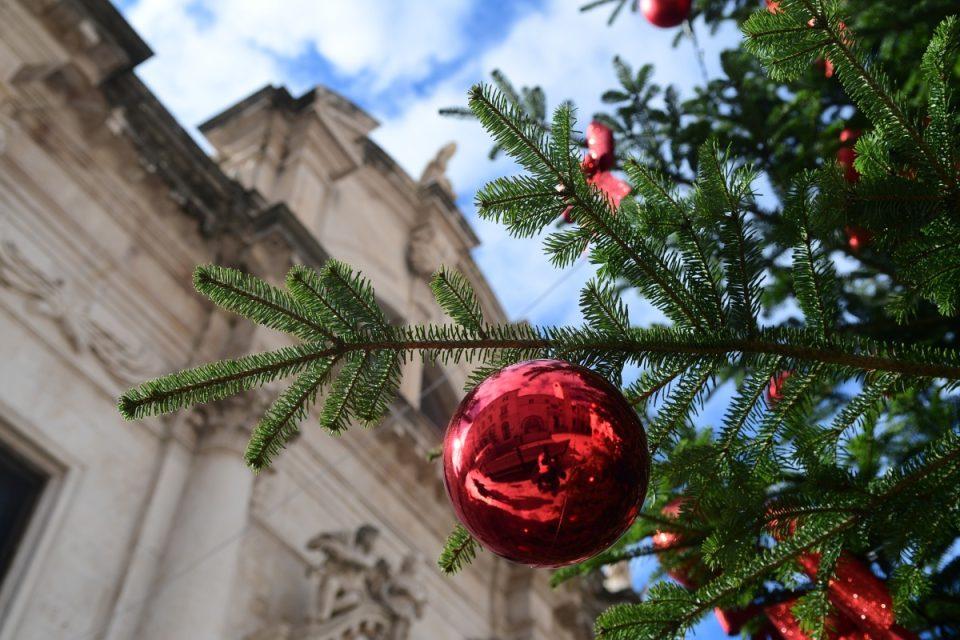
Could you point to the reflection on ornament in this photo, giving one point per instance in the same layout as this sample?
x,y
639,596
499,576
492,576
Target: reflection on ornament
x,y
545,463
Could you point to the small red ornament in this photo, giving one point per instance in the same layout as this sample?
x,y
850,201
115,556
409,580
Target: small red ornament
x,y
545,463
597,164
775,390
847,154
857,237
668,539
665,13
773,6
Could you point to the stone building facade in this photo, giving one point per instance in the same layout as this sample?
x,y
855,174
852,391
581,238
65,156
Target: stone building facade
x,y
156,530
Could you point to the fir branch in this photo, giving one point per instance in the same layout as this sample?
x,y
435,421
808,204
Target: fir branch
x,y
337,407
650,621
258,301
527,145
456,297
872,96
459,550
280,424
217,380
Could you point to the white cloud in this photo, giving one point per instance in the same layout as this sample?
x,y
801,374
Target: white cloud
x,y
212,52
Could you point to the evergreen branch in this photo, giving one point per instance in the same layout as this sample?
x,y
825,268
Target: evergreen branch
x,y
307,288
527,145
456,297
378,385
459,550
745,407
222,379
217,380
280,424
739,246
603,308
643,621
841,42
253,298
352,293
337,407
698,257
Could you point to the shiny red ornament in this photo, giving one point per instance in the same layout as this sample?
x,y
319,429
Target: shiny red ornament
x,y
857,237
596,166
775,390
665,13
773,6
545,463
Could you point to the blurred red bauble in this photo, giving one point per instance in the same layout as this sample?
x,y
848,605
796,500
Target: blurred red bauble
x,y
857,237
665,13
847,154
775,390
773,6
545,463
668,539
599,147
596,166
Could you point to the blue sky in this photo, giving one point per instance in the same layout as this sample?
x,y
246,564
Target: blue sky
x,y
401,61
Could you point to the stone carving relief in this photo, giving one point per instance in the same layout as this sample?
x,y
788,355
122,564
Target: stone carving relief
x,y
355,594
422,254
60,300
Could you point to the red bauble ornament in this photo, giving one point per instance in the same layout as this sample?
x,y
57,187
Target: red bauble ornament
x,y
775,390
857,237
669,539
847,154
773,6
596,166
599,147
665,13
545,463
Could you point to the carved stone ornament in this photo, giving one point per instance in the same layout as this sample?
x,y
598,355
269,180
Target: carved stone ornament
x,y
226,424
436,169
355,594
59,300
422,254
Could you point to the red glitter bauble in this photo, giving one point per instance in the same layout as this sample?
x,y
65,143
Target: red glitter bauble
x,y
665,13
545,463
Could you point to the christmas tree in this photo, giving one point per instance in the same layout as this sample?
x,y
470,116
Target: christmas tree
x,y
827,503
